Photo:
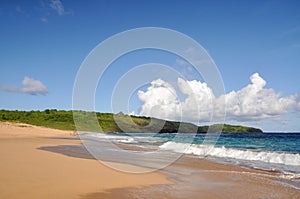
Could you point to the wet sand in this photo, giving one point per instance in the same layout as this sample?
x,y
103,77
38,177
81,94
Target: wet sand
x,y
200,178
38,162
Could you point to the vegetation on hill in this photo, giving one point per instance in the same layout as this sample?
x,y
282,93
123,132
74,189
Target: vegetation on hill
x,y
64,120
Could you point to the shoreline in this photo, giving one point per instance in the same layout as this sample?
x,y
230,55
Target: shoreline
x,y
201,178
40,162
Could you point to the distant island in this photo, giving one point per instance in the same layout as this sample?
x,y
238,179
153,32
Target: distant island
x,y
64,120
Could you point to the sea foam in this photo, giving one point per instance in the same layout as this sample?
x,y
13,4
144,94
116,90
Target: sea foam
x,y
222,152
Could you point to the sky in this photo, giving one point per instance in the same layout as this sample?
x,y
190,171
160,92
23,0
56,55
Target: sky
x,y
254,44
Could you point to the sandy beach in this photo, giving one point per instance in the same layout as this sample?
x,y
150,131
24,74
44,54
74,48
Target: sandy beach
x,y
33,165
27,172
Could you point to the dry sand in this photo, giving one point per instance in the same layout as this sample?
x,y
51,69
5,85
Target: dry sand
x,y
27,172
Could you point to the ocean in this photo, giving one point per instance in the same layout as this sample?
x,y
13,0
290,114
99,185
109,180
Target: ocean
x,y
273,152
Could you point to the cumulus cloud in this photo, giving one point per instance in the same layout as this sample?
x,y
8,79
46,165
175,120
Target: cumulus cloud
x,y
160,100
256,102
253,102
30,86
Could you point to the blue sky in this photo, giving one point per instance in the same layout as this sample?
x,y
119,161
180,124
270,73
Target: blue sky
x,y
47,40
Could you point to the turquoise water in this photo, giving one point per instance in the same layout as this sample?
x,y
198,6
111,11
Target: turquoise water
x,y
272,142
276,142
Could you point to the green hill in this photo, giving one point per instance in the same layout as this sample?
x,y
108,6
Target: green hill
x,y
64,120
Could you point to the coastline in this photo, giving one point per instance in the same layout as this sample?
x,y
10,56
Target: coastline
x,y
40,162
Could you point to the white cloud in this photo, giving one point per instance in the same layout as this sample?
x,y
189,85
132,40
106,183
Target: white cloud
x,y
30,86
159,99
54,6
253,102
256,102
57,6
